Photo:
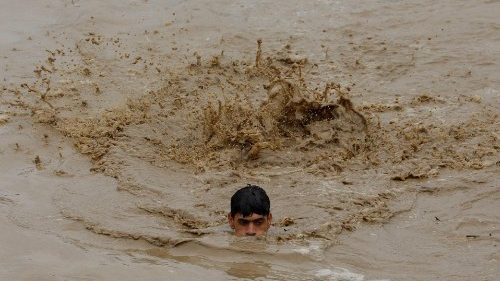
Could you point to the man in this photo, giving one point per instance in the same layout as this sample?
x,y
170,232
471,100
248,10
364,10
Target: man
x,y
250,211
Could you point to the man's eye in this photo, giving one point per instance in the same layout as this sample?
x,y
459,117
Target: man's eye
x,y
244,222
259,222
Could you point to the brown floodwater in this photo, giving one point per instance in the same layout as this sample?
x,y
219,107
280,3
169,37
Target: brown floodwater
x,y
126,126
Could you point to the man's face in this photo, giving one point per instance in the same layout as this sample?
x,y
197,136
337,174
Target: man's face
x,y
253,225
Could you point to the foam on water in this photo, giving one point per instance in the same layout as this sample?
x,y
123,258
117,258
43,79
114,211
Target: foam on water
x,y
340,274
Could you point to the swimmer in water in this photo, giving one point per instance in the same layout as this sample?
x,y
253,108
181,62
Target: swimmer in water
x,y
250,211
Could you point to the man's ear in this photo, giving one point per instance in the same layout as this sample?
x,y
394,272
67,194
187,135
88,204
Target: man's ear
x,y
270,219
230,220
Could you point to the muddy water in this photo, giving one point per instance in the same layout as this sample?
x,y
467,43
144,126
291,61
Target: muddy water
x,y
126,126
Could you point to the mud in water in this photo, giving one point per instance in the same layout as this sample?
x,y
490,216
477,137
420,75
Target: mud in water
x,y
129,142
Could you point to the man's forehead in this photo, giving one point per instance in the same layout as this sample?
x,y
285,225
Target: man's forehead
x,y
252,216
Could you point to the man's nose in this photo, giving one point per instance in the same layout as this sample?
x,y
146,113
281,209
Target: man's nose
x,y
250,230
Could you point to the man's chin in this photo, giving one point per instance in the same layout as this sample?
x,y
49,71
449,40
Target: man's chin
x,y
250,235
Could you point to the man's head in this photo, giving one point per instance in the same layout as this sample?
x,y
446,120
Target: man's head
x,y
250,211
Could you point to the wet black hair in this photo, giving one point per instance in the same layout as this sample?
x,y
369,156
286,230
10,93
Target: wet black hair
x,y
251,199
